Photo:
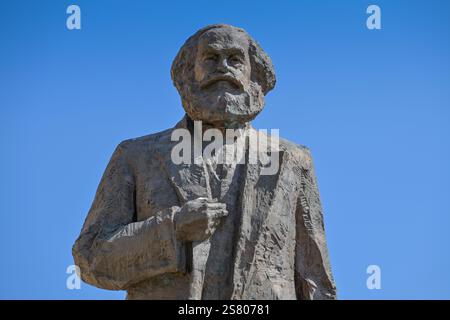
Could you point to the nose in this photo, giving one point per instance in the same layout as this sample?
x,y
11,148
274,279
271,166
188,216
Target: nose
x,y
222,65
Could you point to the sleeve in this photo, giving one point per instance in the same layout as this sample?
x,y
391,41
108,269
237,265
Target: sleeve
x,y
313,278
114,251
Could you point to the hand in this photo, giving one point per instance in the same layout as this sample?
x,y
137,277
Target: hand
x,y
198,219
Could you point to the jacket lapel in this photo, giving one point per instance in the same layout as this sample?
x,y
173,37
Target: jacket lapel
x,y
257,197
187,180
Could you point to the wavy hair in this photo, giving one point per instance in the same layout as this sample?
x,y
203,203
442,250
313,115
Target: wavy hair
x,y
182,70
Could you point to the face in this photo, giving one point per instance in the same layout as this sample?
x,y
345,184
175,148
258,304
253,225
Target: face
x,y
222,91
222,62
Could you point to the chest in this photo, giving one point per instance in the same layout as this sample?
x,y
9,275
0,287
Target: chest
x,y
162,185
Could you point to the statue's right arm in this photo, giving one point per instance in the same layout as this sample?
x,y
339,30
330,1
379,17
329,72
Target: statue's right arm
x,y
113,251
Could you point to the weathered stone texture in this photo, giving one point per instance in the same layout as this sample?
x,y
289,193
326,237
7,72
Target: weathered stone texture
x,y
209,230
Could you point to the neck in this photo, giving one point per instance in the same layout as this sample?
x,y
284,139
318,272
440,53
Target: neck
x,y
222,126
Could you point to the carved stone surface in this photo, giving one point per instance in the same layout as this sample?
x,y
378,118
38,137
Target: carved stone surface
x,y
208,229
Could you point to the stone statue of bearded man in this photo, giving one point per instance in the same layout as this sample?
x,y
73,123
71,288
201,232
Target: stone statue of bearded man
x,y
209,229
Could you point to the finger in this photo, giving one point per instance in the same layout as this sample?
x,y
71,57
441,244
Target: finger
x,y
218,213
216,205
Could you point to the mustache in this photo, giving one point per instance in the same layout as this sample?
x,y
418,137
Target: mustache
x,y
222,77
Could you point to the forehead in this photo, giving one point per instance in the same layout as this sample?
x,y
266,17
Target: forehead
x,y
223,39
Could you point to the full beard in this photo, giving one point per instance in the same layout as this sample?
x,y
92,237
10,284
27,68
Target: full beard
x,y
223,104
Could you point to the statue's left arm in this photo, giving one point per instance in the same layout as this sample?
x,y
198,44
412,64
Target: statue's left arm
x,y
313,278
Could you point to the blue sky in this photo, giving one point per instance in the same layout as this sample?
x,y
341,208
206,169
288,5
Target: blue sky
x,y
373,106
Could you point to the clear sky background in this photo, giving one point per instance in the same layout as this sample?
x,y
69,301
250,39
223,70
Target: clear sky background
x,y
373,106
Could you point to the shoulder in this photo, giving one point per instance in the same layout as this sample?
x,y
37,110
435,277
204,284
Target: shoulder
x,y
297,152
133,149
130,146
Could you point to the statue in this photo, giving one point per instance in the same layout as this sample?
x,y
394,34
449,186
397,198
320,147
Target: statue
x,y
165,229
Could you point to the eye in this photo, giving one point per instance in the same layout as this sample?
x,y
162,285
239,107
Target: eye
x,y
235,59
210,57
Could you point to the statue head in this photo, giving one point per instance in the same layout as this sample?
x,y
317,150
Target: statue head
x,y
222,76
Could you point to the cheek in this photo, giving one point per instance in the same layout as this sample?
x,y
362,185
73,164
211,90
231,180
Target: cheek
x,y
201,70
248,71
245,71
198,71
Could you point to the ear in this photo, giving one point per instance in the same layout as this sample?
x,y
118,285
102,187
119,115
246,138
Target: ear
x,y
263,71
